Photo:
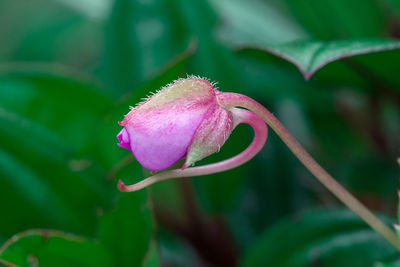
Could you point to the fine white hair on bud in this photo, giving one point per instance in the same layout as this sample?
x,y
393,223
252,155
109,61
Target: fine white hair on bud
x,y
185,119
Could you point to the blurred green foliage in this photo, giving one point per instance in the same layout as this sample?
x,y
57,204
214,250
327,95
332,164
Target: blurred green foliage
x,y
69,70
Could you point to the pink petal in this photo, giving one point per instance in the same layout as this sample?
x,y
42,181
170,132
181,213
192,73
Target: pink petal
x,y
123,138
159,137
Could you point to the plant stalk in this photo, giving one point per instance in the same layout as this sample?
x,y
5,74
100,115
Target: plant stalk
x,y
230,100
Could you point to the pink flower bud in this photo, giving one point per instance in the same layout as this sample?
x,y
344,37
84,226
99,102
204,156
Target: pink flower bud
x,y
191,119
188,118
183,119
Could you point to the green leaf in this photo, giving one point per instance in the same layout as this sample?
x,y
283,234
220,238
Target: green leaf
x,y
152,257
140,39
48,132
35,172
398,207
245,22
54,33
397,226
62,100
53,248
127,231
310,56
393,263
212,59
338,19
386,265
327,238
394,6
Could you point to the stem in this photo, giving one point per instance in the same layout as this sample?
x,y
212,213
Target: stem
x,y
239,116
230,100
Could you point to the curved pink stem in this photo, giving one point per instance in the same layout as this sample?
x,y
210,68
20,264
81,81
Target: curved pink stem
x,y
239,116
230,100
